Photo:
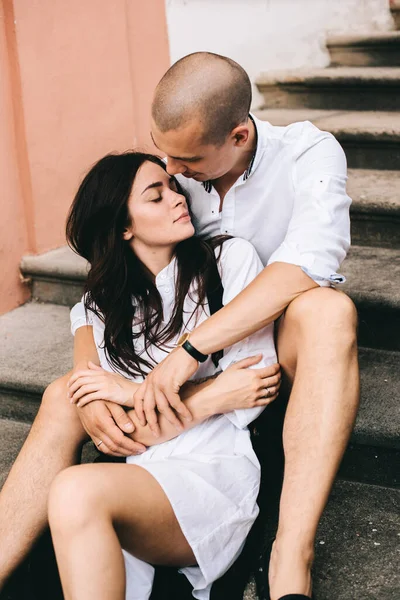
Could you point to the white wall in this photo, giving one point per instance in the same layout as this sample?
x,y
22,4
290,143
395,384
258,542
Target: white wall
x,y
263,35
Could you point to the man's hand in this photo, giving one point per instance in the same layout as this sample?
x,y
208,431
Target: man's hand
x,y
161,389
94,383
106,422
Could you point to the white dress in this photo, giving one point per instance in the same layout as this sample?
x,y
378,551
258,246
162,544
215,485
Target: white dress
x,y
210,473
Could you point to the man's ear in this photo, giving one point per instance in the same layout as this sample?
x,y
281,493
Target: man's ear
x,y
240,134
127,235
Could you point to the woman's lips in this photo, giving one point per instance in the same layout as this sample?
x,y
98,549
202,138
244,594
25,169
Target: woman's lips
x,y
184,217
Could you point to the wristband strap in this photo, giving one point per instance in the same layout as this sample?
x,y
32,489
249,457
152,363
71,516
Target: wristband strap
x,y
193,352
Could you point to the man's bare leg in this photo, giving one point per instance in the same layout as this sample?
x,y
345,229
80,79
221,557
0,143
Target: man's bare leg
x,y
317,349
54,443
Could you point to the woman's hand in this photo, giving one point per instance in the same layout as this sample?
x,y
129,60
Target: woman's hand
x,y
94,383
241,387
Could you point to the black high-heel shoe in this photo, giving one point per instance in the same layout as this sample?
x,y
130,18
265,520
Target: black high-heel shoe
x,y
295,597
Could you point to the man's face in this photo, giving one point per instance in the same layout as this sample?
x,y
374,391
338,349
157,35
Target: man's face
x,y
187,155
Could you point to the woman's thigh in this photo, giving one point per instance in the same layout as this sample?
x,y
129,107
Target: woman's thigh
x,y
138,508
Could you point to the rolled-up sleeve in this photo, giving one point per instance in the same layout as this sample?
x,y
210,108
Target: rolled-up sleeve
x,y
79,317
318,235
240,264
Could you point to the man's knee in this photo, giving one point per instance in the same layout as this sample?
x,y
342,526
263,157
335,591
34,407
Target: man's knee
x,y
326,309
56,393
58,416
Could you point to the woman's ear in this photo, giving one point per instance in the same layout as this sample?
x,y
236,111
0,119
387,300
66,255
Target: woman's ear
x,y
127,235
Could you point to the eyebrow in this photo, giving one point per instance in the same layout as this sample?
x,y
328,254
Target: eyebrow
x,y
184,158
152,185
157,184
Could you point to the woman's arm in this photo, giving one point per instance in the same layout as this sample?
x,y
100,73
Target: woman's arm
x,y
85,350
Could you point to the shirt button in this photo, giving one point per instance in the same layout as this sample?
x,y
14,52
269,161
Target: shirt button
x,y
168,290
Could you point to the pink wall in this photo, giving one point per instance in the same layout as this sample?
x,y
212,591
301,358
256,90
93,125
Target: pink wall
x,y
13,233
82,78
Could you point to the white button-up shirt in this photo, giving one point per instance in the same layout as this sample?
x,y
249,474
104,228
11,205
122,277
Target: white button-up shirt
x,y
291,203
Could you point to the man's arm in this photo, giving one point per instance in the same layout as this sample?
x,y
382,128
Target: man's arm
x,y
260,303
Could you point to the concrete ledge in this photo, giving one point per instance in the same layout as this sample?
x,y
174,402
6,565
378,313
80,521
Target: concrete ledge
x,y
370,139
381,49
61,263
350,76
379,38
341,88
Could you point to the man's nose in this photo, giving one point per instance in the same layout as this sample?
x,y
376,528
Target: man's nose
x,y
174,167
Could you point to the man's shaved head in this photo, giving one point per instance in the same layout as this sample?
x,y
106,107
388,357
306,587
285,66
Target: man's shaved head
x,y
210,88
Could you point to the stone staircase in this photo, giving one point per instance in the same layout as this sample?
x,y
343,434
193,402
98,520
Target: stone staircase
x,y
358,100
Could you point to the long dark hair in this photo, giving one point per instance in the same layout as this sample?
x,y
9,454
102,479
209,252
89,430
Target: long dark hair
x,y
119,287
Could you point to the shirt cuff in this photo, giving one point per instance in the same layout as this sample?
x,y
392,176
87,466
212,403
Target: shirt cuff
x,y
319,272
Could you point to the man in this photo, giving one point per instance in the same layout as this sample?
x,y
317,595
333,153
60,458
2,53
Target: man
x,y
284,190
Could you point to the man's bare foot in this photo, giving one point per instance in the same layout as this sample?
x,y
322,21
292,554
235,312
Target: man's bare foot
x,y
289,569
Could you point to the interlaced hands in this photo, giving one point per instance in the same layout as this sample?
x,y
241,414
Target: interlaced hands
x,y
237,387
160,391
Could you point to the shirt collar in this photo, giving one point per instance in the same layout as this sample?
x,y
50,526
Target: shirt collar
x,y
167,272
207,185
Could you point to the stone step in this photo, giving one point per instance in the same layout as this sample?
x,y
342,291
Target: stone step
x,y
373,276
378,49
56,276
375,211
26,368
357,545
371,140
357,542
336,88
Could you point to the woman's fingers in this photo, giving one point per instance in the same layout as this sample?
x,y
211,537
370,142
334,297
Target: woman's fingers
x,y
87,398
265,401
79,383
268,392
245,363
269,371
270,381
83,391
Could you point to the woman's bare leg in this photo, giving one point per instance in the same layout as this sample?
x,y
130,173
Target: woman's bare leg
x,y
96,509
54,443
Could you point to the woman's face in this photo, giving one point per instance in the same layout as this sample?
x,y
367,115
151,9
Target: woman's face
x,y
159,214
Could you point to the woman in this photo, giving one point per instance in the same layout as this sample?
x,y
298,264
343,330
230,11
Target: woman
x,y
190,499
